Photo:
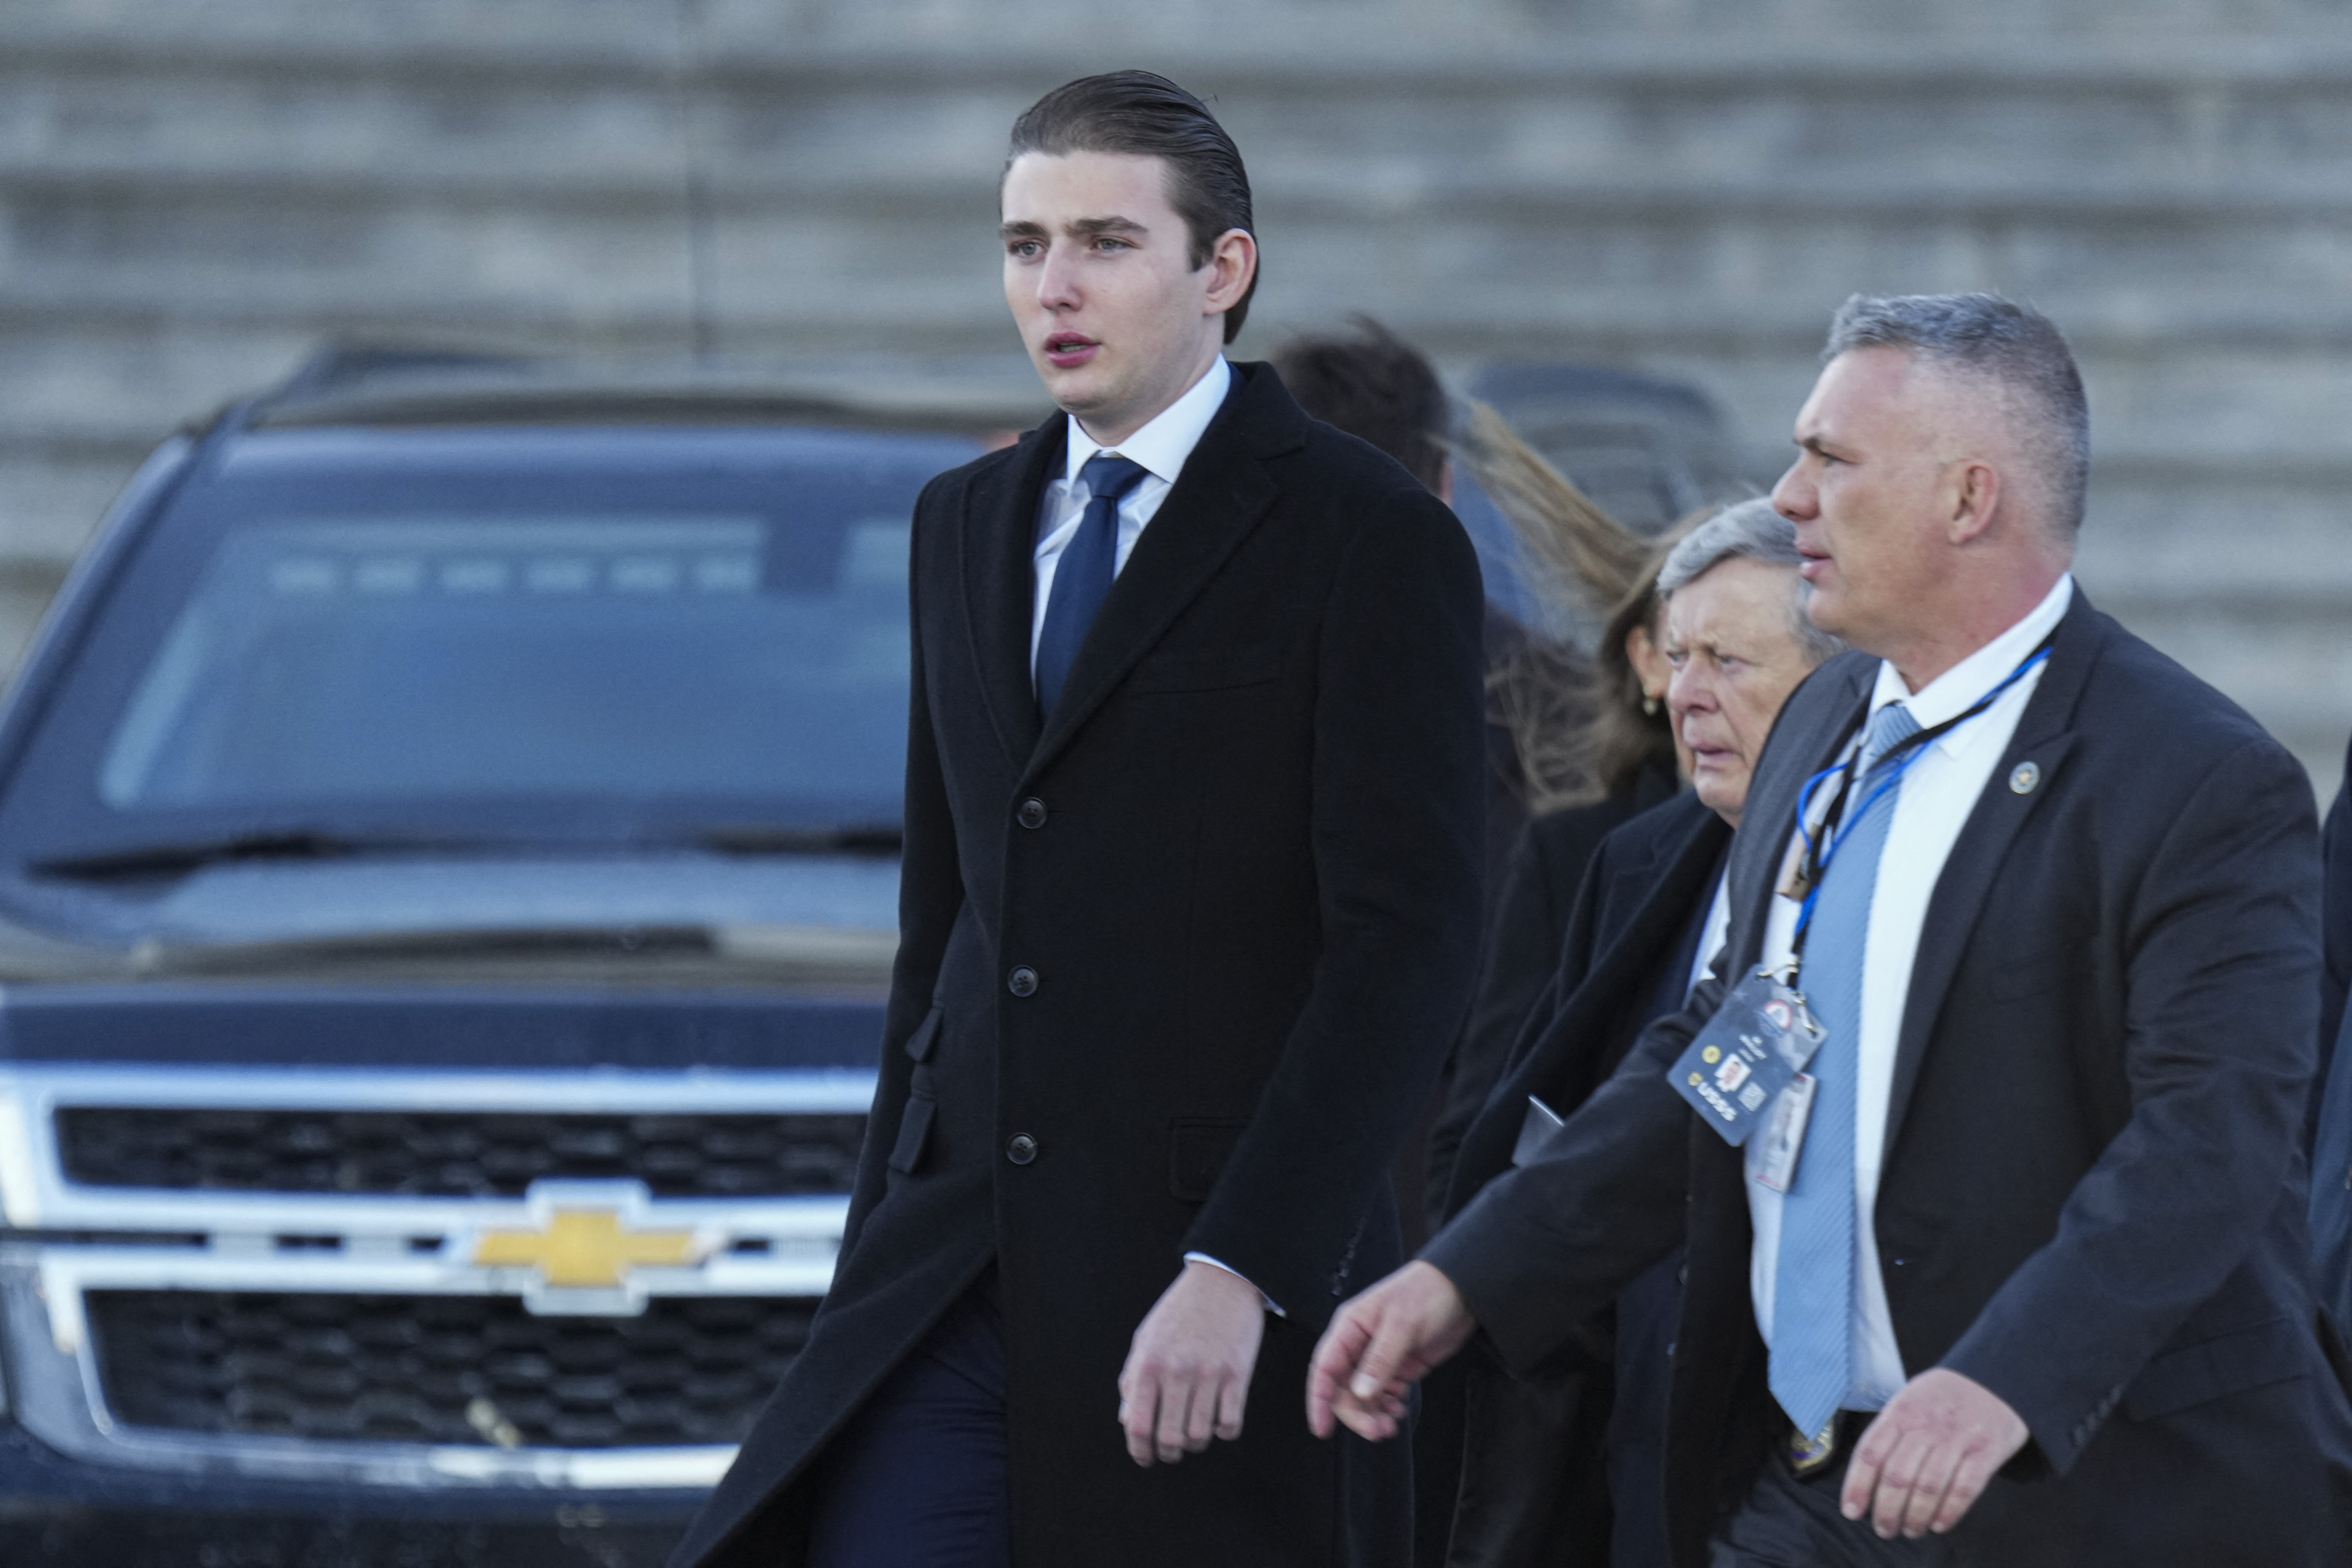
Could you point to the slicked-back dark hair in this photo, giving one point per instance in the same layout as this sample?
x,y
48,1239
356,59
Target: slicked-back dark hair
x,y
1148,116
1371,383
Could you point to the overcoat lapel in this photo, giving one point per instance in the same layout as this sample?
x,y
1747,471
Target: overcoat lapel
x,y
1219,498
1771,804
2042,738
1000,534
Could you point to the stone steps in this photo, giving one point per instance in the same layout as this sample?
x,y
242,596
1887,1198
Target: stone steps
x,y
192,197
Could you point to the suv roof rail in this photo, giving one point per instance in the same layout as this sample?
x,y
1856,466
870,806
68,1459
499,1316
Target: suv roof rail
x,y
392,385
340,367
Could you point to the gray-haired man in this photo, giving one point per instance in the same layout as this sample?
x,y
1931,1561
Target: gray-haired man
x,y
2036,1279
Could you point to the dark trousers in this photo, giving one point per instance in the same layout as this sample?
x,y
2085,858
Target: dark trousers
x,y
1788,1522
916,1480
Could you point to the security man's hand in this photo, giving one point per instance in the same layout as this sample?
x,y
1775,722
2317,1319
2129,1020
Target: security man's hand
x,y
1187,1375
1379,1345
1929,1454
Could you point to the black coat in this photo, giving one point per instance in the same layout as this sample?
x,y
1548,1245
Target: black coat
x,y
2331,1098
1202,942
2092,1196
1535,1475
1527,935
1614,939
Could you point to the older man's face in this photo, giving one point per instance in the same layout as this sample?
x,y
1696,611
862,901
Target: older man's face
x,y
1867,493
1736,656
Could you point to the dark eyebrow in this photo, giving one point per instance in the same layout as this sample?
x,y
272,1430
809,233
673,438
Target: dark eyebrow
x,y
1082,228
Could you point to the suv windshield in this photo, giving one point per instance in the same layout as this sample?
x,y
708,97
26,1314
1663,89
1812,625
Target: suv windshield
x,y
600,635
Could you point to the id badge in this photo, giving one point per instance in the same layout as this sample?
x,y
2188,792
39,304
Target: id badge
x,y
1772,1153
1756,1042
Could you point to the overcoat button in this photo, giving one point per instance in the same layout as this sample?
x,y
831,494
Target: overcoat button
x,y
1021,1149
1032,812
1022,981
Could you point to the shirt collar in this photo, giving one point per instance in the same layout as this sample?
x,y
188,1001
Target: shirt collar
x,y
1964,684
1169,437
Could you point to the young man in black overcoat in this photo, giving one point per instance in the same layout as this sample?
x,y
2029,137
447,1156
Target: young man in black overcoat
x,y
1188,916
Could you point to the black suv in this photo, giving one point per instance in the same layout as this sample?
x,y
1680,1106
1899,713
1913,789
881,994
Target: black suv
x,y
448,829
447,888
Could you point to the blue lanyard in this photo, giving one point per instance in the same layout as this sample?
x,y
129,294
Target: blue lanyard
x,y
1884,776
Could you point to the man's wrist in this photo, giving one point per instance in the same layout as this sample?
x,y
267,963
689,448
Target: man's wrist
x,y
1265,1299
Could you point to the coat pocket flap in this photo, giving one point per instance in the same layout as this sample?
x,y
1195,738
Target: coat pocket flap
x,y
1197,1149
914,1131
2227,1363
925,1037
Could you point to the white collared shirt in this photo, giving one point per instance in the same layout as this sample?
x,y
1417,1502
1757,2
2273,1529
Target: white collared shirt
x,y
1939,790
1161,446
1712,932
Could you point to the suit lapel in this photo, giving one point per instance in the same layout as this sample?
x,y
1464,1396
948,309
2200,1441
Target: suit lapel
x,y
2042,738
1219,498
1000,524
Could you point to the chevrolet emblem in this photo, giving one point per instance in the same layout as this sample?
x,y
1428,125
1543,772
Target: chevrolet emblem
x,y
585,1249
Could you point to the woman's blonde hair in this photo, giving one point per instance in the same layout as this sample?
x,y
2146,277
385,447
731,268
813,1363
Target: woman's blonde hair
x,y
1578,725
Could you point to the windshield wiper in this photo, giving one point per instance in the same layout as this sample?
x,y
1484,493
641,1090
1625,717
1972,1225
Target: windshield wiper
x,y
771,839
188,855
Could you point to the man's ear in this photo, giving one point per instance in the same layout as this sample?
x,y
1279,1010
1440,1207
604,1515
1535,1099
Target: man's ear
x,y
1975,501
1233,262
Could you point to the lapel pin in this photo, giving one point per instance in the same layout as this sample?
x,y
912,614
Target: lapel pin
x,y
2022,781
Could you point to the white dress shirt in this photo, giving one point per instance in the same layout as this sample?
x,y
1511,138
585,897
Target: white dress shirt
x,y
1711,934
1161,446
1938,792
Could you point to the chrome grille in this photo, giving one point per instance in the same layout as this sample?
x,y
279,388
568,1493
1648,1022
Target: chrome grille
x,y
471,1153
458,1370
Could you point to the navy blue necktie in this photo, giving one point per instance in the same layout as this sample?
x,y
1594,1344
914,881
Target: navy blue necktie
x,y
1082,577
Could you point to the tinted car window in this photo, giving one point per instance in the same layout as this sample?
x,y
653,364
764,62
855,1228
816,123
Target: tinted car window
x,y
600,634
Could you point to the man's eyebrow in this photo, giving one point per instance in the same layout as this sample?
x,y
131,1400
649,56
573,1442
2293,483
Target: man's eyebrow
x,y
1078,228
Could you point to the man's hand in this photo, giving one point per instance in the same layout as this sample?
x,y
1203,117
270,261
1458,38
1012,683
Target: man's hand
x,y
1929,1454
1379,1345
1187,1375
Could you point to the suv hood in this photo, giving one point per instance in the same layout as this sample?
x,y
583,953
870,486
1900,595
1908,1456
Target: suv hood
x,y
251,902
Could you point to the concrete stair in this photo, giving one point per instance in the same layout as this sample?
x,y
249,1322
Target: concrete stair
x,y
190,196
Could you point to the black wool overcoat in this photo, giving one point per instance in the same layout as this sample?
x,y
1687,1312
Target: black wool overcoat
x,y
2091,1201
1198,944
1536,1485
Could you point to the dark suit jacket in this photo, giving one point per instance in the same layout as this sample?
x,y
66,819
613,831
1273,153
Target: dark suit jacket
x,y
1202,940
2331,1098
2335,944
2093,1195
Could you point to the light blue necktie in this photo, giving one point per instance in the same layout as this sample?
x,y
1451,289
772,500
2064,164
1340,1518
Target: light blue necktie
x,y
1813,1283
1082,577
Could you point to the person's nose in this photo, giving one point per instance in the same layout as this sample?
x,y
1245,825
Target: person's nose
x,y
1796,497
1688,691
1057,280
